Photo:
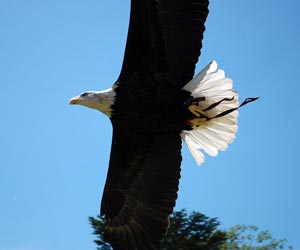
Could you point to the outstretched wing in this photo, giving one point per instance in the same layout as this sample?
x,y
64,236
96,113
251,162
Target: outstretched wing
x,y
141,189
164,37
163,46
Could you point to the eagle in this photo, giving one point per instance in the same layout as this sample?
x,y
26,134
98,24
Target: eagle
x,y
154,105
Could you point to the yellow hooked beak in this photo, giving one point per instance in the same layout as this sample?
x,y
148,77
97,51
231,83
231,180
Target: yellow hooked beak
x,y
75,100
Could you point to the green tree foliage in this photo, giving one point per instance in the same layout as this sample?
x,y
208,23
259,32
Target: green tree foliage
x,y
98,226
193,232
199,232
242,237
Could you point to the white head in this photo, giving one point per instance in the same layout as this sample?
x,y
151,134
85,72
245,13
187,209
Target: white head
x,y
100,100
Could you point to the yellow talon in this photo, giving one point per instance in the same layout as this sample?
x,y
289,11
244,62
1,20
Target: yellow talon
x,y
196,110
196,122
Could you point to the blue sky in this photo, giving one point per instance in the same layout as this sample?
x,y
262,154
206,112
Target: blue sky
x,y
54,156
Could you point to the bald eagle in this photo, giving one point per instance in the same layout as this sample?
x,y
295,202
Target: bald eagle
x,y
155,104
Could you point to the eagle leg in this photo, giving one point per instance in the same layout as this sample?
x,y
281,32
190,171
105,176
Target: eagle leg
x,y
196,110
196,122
199,116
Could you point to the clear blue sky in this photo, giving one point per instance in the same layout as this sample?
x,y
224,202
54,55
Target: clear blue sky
x,y
54,157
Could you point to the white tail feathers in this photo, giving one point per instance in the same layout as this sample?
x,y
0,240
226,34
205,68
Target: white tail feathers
x,y
216,133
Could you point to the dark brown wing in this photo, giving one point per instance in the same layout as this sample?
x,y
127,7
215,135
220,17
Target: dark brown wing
x,y
164,37
163,46
141,189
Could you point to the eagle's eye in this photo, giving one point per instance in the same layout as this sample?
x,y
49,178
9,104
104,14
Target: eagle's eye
x,y
84,94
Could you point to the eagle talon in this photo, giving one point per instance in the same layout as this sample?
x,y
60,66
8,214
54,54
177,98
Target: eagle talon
x,y
196,110
196,122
